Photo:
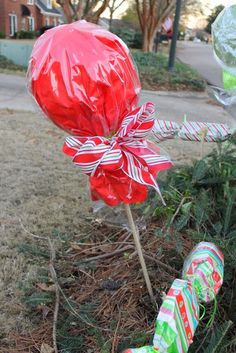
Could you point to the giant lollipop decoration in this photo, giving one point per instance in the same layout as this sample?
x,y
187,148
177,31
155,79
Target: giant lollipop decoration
x,y
84,80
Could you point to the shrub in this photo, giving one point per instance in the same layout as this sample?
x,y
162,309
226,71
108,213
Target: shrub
x,y
127,35
154,75
25,35
131,37
2,35
138,40
201,204
9,64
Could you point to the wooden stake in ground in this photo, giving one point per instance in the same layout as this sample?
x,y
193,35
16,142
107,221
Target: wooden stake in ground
x,y
203,134
140,252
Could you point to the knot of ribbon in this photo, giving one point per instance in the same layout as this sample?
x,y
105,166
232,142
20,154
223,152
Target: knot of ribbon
x,y
126,155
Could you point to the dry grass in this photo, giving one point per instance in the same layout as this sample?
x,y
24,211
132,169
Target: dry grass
x,y
40,188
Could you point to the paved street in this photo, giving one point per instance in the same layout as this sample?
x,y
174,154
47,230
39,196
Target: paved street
x,y
170,105
200,56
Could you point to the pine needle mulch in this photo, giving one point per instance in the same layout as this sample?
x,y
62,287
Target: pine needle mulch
x,y
104,305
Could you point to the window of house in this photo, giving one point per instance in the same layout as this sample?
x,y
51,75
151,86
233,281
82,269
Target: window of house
x,y
31,23
30,2
47,21
49,4
22,27
55,22
13,24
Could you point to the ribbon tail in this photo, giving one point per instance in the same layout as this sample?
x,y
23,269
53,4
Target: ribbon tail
x,y
138,174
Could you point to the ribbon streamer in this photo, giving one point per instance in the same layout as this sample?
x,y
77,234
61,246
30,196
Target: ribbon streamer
x,y
178,318
120,168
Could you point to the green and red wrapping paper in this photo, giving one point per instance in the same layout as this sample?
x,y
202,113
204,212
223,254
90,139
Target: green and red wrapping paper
x,y
178,318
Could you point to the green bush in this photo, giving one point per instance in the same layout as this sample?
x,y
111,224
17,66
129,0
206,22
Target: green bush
x,y
154,75
127,35
201,205
25,35
204,194
132,38
138,40
7,64
2,35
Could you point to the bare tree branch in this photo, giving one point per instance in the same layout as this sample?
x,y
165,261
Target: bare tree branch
x,y
83,9
113,7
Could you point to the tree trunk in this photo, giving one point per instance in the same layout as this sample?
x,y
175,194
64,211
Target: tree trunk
x,y
67,10
80,10
94,16
151,40
151,14
148,39
145,46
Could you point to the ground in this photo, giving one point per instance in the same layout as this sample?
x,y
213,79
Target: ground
x,y
42,193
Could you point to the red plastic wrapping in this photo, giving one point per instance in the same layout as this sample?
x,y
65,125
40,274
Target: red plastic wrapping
x,y
83,79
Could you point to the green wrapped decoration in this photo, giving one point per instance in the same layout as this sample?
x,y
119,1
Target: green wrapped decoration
x,y
178,318
229,81
224,43
224,48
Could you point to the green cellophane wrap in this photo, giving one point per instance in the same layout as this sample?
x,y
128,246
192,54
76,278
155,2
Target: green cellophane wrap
x,y
224,43
229,81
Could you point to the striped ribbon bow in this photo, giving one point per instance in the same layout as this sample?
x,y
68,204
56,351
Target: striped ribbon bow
x,y
126,155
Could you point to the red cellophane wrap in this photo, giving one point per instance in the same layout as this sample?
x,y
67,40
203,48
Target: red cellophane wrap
x,y
84,80
120,168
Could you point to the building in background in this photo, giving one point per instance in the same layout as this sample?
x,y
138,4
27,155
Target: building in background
x,y
27,15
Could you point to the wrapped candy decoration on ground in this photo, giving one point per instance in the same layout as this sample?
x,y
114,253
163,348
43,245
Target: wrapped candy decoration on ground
x,y
84,80
204,269
178,318
191,131
163,129
201,131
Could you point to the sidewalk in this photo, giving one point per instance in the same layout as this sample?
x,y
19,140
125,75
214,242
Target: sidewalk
x,y
170,105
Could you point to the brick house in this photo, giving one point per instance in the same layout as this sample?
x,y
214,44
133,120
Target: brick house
x,y
27,15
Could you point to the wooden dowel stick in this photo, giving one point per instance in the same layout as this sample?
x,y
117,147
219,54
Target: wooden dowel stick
x,y
140,252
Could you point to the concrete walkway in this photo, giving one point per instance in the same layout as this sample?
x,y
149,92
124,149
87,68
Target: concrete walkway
x,y
200,57
170,105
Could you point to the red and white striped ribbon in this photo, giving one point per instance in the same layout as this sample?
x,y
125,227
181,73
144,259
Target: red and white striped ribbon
x,y
199,131
191,131
164,129
127,150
